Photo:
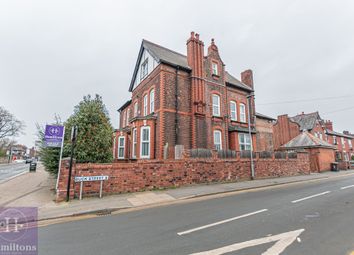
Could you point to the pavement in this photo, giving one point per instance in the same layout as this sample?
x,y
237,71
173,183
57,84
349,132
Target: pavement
x,y
36,189
12,170
312,217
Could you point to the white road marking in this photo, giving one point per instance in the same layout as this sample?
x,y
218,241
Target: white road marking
x,y
347,187
221,222
282,241
305,198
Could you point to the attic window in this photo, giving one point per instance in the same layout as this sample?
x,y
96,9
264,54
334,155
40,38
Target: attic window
x,y
144,69
214,68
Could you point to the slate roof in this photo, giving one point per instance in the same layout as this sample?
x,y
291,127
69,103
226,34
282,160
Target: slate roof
x,y
330,132
232,80
170,57
124,105
165,55
307,121
262,116
241,129
306,140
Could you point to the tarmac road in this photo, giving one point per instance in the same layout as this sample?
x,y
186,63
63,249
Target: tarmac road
x,y
8,171
306,218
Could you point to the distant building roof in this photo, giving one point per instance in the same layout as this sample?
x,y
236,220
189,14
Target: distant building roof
x,y
331,132
262,116
307,121
306,140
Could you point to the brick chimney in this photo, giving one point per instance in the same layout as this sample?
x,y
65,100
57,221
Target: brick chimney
x,y
195,56
247,77
329,125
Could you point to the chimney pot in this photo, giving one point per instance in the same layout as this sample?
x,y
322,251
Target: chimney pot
x,y
197,36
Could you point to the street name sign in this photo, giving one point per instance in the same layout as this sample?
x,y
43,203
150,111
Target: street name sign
x,y
91,178
53,136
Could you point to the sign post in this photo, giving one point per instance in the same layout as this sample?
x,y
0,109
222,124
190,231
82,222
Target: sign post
x,y
54,137
73,141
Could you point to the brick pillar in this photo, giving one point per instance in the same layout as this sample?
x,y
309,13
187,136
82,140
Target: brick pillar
x,y
63,180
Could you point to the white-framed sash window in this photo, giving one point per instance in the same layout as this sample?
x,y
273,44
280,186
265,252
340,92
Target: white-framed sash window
x,y
216,105
244,141
145,106
233,111
215,68
217,140
134,143
242,112
121,145
145,142
152,101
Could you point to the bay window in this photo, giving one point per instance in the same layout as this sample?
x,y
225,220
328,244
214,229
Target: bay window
x,y
244,141
145,142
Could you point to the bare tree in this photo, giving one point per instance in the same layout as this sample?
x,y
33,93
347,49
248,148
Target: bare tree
x,y
9,125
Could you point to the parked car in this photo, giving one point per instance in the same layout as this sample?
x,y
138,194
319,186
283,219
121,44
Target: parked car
x,y
29,160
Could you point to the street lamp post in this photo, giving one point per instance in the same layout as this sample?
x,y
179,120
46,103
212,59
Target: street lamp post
x,y
250,133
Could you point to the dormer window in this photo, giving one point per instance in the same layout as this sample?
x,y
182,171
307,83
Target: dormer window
x,y
215,68
144,69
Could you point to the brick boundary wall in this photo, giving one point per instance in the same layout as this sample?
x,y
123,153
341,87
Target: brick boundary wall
x,y
158,174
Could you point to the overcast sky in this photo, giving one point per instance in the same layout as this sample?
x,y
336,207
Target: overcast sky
x,y
52,53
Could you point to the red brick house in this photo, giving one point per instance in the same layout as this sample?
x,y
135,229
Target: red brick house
x,y
286,128
188,100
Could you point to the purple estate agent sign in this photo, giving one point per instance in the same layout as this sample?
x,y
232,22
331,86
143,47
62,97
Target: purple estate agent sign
x,y
53,135
18,231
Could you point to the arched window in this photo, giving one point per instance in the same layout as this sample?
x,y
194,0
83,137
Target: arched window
x,y
216,105
233,111
242,112
152,101
217,140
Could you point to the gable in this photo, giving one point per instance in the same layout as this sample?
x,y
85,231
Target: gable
x,y
146,63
